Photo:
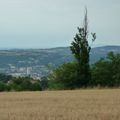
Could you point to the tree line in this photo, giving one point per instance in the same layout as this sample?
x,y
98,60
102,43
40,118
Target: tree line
x,y
104,73
10,83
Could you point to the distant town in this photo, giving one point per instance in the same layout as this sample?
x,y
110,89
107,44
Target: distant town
x,y
35,72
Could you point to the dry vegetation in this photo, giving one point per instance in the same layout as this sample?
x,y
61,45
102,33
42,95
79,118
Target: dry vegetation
x,y
61,105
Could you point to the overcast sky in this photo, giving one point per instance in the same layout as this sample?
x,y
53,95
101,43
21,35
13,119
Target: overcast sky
x,y
53,23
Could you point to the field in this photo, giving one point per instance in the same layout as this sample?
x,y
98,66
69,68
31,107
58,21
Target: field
x,y
61,105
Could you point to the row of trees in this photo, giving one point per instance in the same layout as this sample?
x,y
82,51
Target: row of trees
x,y
104,73
9,83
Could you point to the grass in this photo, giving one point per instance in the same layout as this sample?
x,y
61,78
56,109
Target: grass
x,y
61,105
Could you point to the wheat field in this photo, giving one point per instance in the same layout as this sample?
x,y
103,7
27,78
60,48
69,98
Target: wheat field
x,y
61,105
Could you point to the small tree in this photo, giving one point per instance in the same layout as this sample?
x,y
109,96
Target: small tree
x,y
81,49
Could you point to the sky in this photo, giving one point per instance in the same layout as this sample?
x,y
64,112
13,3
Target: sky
x,y
53,23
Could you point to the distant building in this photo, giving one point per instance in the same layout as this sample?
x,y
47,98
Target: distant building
x,y
28,70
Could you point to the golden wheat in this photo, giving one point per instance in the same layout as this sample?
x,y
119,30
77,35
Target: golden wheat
x,y
61,105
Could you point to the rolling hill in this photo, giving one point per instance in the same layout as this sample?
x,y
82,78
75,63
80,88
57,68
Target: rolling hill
x,y
36,61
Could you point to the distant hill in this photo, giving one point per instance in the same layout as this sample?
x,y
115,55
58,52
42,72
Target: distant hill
x,y
39,58
101,52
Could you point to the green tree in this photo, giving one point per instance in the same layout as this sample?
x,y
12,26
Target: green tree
x,y
106,72
114,60
5,78
44,83
64,77
4,87
36,86
81,49
25,84
101,74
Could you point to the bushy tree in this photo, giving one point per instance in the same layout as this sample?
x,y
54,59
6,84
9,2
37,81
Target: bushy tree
x,y
64,77
114,60
106,72
25,84
101,74
4,87
44,83
5,78
36,86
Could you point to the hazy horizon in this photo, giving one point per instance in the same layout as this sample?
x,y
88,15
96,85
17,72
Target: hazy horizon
x,y
51,23
18,48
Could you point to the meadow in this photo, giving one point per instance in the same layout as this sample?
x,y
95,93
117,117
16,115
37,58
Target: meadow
x,y
101,104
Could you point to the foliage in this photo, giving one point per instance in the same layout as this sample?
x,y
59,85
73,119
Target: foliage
x,y
20,84
25,84
44,83
4,87
106,72
101,73
5,78
64,77
81,49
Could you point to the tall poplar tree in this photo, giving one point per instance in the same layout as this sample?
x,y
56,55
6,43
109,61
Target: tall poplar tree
x,y
81,50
